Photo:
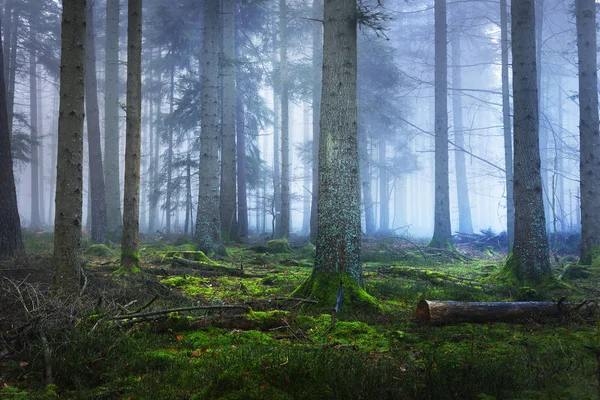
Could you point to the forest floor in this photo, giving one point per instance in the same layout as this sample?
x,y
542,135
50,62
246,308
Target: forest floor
x,y
272,347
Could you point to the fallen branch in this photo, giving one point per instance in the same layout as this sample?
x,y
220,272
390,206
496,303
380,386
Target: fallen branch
x,y
172,310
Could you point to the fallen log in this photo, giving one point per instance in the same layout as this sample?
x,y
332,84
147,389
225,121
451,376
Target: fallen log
x,y
452,312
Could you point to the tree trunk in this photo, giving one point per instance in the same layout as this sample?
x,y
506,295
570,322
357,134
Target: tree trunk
x,y
169,190
589,135
69,171
285,118
10,224
130,243
529,258
454,312
154,201
54,156
228,151
465,225
276,162
559,154
12,73
111,118
7,17
317,65
338,240
508,140
384,201
442,231
41,166
242,197
208,221
96,175
366,182
188,190
35,221
337,262
306,173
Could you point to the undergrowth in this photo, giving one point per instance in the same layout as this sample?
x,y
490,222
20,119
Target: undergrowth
x,y
383,355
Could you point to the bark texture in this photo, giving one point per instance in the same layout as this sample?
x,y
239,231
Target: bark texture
x,y
69,171
338,237
99,226
285,122
529,258
228,153
589,135
317,65
35,221
454,312
131,194
111,118
10,224
242,198
442,231
508,140
465,224
208,221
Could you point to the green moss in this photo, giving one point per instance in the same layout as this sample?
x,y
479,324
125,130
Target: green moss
x,y
277,246
268,319
324,288
447,245
130,263
189,255
99,250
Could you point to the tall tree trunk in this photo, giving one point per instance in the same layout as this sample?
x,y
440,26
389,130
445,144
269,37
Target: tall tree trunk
x,y
96,176
508,140
35,185
228,152
168,193
276,164
338,237
10,224
188,190
154,201
69,171
366,181
442,231
589,135
306,172
54,156
559,148
242,197
384,200
41,166
151,170
529,258
465,224
111,118
285,118
317,65
130,257
12,73
7,18
208,221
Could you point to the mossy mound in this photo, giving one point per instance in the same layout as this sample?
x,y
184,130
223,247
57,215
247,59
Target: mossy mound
x,y
324,287
189,255
99,250
576,271
277,246
259,248
437,244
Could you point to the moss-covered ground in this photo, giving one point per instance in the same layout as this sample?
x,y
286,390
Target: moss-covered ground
x,y
294,352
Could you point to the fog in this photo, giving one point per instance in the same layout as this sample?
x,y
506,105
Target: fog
x,y
396,111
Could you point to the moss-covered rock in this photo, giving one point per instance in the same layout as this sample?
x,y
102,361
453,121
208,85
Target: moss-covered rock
x,y
99,250
277,246
325,287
